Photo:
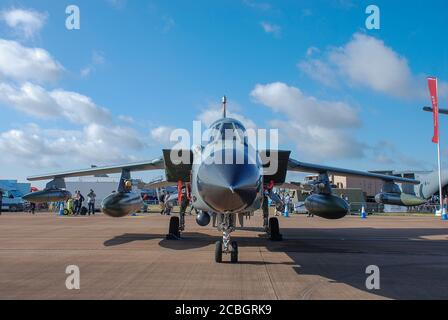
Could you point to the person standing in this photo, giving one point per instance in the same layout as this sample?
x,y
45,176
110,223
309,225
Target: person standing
x,y
91,201
162,202
32,208
287,200
81,200
75,203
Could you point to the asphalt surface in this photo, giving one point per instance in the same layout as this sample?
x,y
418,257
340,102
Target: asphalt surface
x,y
129,258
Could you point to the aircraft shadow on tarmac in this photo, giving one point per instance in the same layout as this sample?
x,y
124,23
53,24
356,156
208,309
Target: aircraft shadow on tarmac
x,y
411,266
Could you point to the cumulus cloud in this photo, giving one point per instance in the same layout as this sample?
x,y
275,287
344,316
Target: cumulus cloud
x,y
96,138
162,134
319,128
306,110
36,101
21,63
214,112
41,148
319,71
26,22
126,119
271,28
368,62
386,153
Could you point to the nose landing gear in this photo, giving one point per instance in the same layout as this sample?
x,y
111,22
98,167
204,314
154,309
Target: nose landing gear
x,y
225,245
232,249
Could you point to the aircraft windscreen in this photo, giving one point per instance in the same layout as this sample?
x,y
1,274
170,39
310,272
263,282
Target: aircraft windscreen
x,y
227,131
232,131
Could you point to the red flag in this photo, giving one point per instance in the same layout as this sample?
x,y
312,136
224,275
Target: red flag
x,y
432,84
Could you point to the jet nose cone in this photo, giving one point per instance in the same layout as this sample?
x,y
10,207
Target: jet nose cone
x,y
229,187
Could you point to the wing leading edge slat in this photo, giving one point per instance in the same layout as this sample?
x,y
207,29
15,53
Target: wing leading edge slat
x,y
156,164
298,166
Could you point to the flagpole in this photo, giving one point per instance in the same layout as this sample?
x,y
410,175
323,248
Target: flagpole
x,y
432,85
440,179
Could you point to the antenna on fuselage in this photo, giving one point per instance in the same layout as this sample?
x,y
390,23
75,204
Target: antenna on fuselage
x,y
224,107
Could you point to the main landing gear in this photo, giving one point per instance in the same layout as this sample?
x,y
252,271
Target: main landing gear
x,y
177,225
274,230
227,226
270,225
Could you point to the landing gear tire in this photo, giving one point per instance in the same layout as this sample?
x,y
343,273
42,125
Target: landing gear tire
x,y
274,230
174,232
218,251
234,252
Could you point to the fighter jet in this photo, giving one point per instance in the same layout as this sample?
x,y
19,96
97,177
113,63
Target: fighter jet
x,y
225,190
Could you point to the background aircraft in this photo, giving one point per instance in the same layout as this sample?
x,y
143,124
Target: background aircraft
x,y
228,190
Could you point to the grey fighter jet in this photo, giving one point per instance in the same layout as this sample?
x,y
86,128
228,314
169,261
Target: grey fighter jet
x,y
226,190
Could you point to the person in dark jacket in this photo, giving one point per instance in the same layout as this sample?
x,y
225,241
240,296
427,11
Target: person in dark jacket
x,y
91,197
81,200
75,202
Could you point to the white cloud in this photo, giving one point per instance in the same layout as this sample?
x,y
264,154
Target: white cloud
x,y
319,129
386,153
366,61
126,119
214,112
271,28
319,71
78,108
96,139
20,63
306,110
34,100
162,134
320,143
26,22
37,147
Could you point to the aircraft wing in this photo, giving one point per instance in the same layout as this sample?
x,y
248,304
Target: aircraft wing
x,y
155,164
294,165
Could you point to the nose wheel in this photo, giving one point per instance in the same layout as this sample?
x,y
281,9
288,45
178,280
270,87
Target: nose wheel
x,y
219,251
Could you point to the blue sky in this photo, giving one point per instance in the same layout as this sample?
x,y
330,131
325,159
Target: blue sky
x,y
339,93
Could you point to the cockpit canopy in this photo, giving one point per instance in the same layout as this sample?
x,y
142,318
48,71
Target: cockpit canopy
x,y
226,129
